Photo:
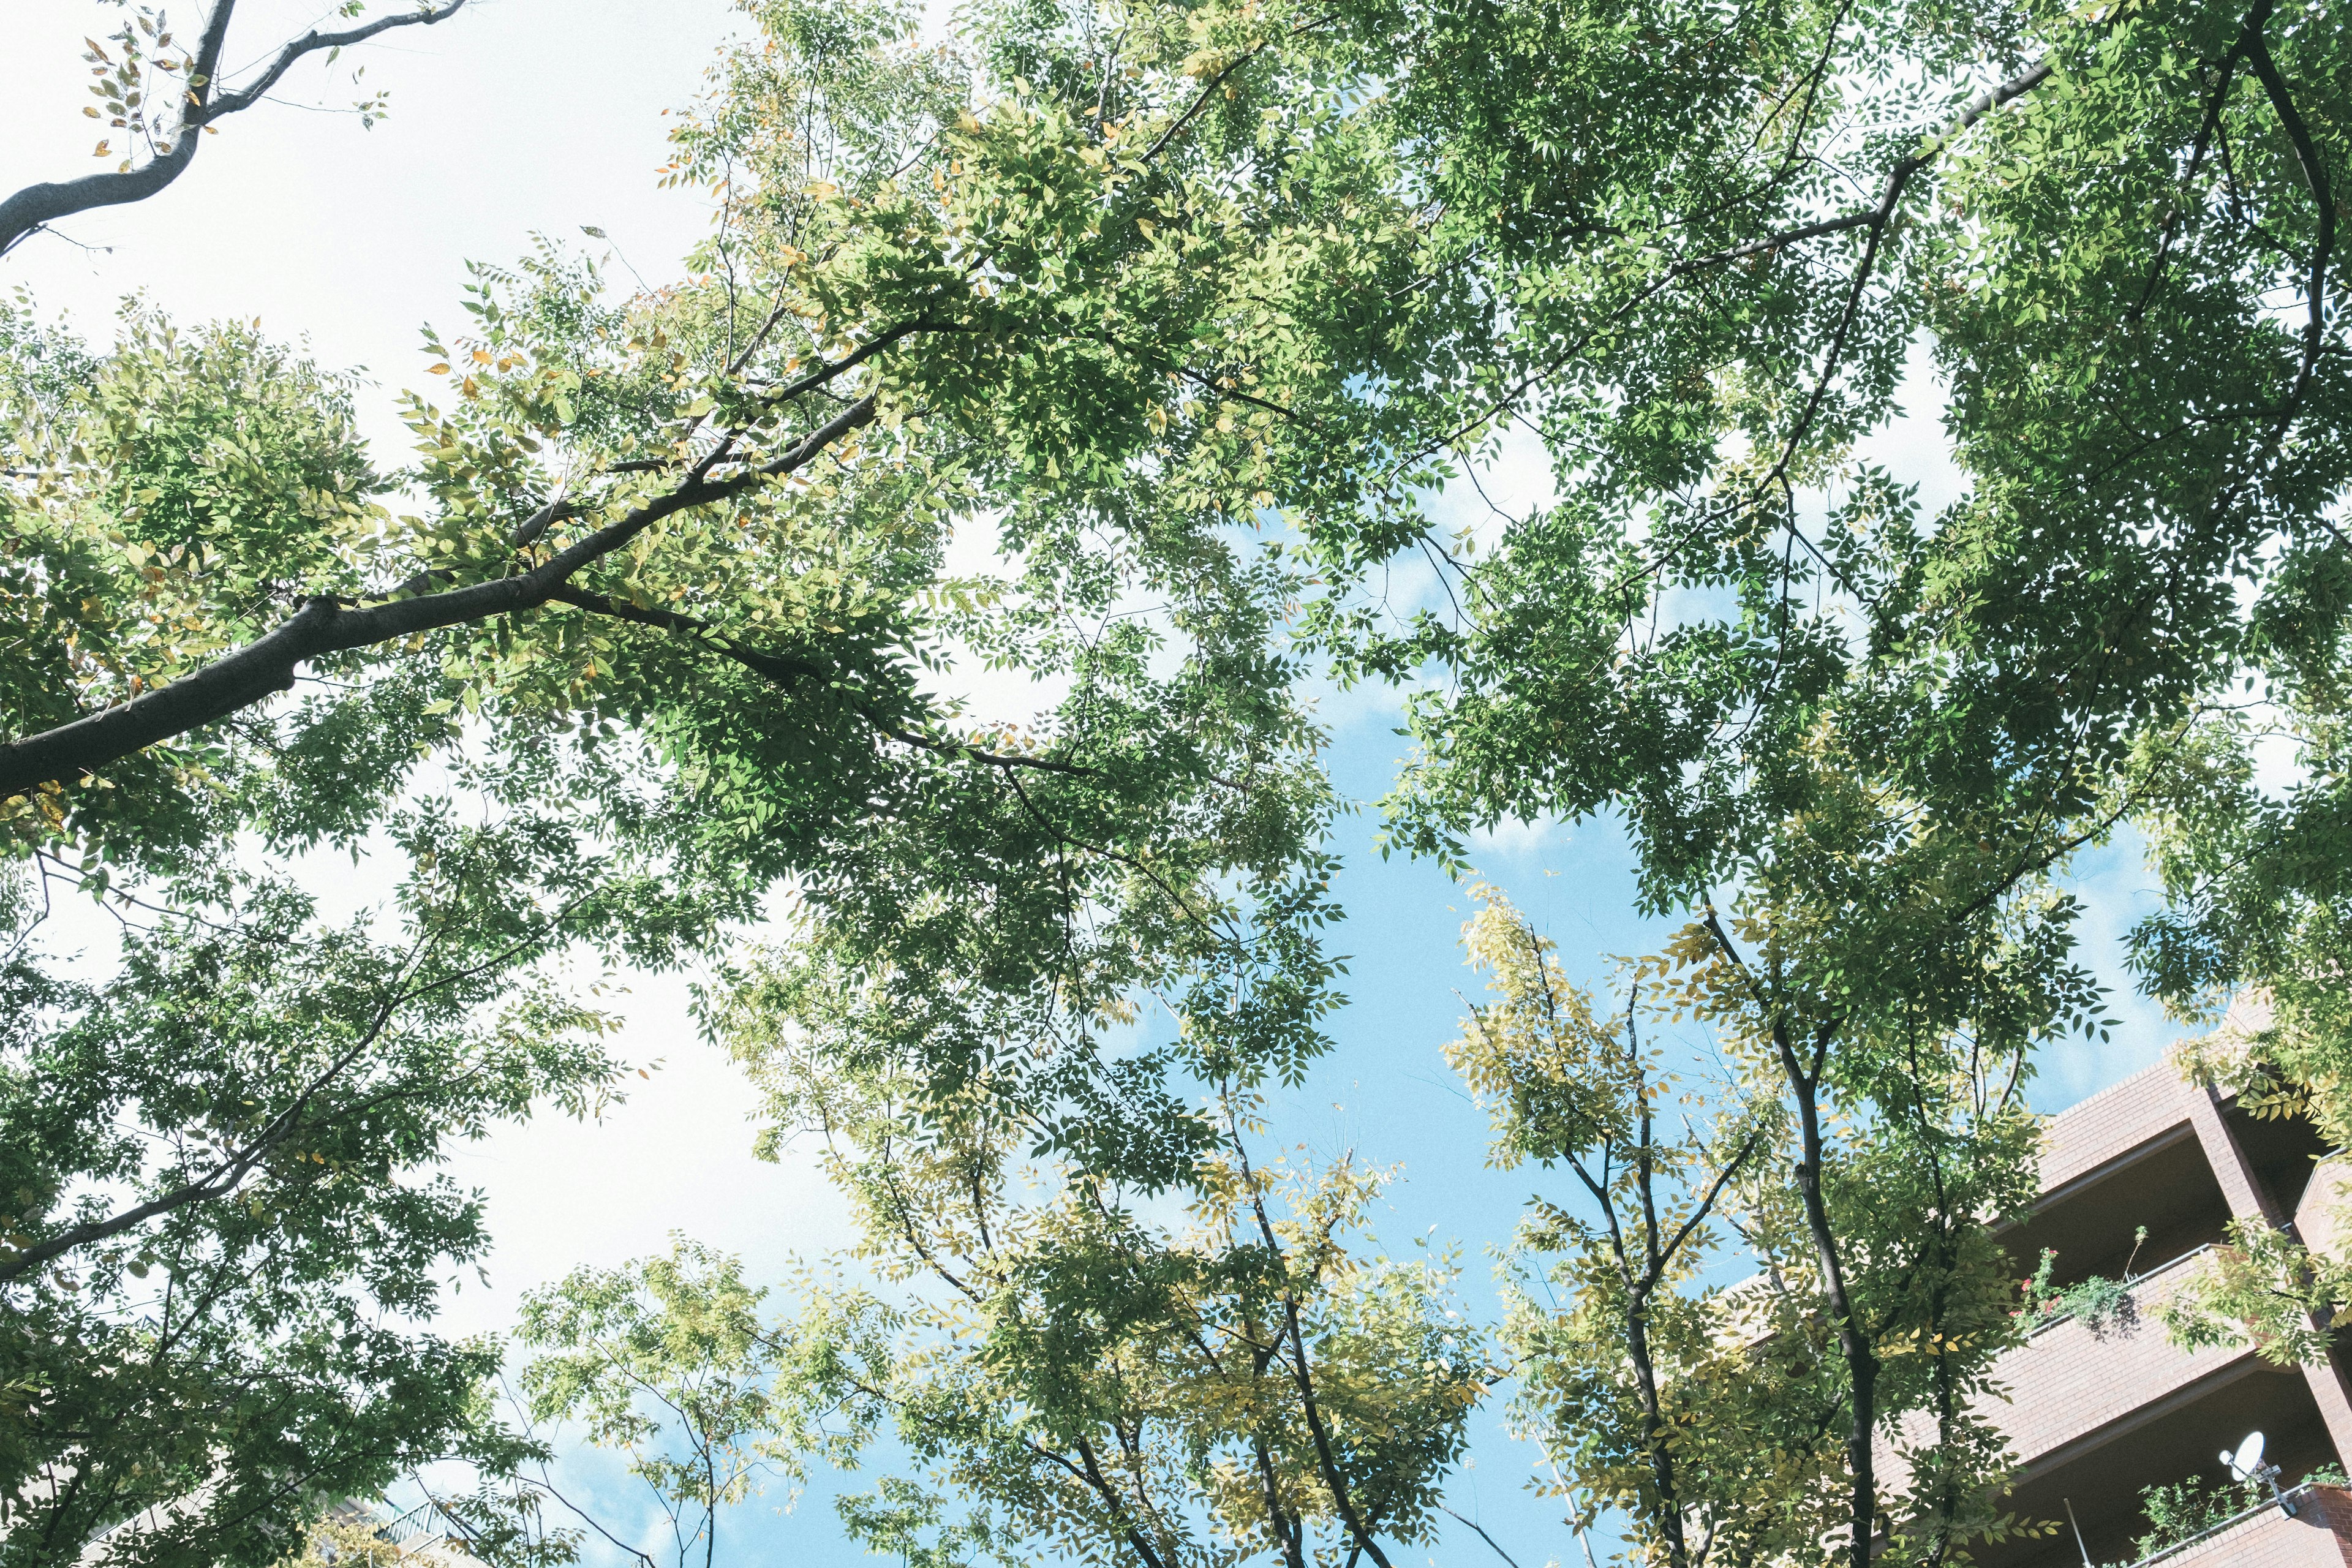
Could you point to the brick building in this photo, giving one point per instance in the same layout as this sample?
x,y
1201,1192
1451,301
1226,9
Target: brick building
x,y
2098,1413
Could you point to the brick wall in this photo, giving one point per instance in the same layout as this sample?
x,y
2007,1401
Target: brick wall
x,y
2112,1123
2315,1218
2068,1380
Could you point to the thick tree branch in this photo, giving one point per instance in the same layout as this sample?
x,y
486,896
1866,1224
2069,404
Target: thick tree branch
x,y
2322,194
1285,1531
1118,1505
2207,129
37,205
324,627
1325,1460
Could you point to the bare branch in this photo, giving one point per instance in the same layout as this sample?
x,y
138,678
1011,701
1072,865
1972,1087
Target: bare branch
x,y
1482,1535
310,43
37,205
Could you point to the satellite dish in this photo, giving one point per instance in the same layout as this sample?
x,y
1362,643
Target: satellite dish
x,y
2247,1462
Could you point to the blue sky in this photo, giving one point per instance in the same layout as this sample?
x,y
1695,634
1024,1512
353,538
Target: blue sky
x,y
524,115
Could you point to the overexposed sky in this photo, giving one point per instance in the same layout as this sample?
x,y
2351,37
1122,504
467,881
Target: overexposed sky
x,y
510,118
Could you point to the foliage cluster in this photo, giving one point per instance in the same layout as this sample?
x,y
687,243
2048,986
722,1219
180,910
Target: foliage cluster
x,y
1100,1322
1717,1418
2190,1507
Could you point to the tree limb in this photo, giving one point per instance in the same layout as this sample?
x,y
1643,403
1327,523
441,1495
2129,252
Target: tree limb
x,y
1482,1535
1876,222
38,205
324,626
2315,174
1300,1372
785,671
1876,219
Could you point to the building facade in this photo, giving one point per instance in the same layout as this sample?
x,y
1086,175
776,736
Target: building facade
x,y
2098,1411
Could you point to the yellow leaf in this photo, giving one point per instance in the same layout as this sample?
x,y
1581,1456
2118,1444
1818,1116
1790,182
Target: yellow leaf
x,y
439,369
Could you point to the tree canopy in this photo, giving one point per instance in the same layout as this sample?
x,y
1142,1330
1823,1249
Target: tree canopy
x,y
1198,313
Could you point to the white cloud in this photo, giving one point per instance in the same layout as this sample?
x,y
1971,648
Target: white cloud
x,y
675,1158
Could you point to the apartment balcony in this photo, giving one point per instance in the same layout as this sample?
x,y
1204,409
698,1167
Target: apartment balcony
x,y
2073,1380
2156,1168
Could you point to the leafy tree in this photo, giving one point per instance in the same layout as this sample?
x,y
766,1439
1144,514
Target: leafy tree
x,y
1646,1386
222,1208
1854,745
668,1359
1075,1373
666,620
1721,1419
1075,1376
716,511
1122,286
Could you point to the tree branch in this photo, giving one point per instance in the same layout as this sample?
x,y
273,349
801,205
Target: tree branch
x,y
848,361
2314,176
1875,218
310,43
785,671
1482,1535
324,627
1876,221
229,1173
1300,1372
37,205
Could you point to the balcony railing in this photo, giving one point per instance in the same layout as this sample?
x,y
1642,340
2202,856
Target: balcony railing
x,y
2070,1378
2133,1282
2306,1491
426,1524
